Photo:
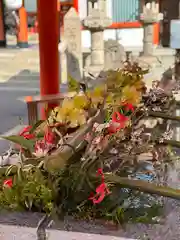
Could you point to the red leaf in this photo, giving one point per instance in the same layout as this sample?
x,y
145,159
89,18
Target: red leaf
x,y
8,183
49,136
25,133
118,122
101,191
128,107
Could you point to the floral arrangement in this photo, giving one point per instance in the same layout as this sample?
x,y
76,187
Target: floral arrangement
x,y
98,143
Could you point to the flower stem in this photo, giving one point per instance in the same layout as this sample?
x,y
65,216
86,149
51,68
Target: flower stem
x,y
172,143
163,115
144,186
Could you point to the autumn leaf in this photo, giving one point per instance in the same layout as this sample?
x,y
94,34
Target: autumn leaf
x,y
99,91
81,102
76,118
61,115
131,95
67,104
97,95
73,85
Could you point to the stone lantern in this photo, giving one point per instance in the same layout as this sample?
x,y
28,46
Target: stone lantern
x,y
148,17
96,22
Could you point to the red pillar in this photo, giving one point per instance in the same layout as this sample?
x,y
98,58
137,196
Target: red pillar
x,y
76,5
2,26
58,9
22,37
156,33
48,46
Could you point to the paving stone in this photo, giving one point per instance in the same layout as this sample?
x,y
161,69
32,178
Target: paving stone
x,y
24,233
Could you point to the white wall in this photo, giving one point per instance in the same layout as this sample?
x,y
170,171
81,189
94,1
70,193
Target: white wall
x,y
127,37
131,37
82,8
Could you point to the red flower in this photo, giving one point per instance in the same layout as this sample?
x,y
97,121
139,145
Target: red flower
x,y
119,118
42,147
49,137
118,122
25,133
8,183
128,107
101,191
100,173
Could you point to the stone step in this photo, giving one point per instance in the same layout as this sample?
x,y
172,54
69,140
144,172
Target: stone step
x,y
27,233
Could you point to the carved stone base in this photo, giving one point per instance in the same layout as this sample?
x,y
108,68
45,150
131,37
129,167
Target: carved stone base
x,y
95,70
149,62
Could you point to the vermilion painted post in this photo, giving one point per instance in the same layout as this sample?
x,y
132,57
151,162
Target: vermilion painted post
x,y
58,9
48,47
76,5
22,36
156,33
2,26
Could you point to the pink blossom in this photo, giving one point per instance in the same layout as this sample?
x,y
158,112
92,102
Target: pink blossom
x,y
42,147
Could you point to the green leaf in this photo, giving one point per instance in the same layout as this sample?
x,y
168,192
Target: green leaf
x,y
73,84
35,126
11,169
24,143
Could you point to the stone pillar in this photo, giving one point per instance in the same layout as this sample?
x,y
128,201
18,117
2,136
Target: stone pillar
x,y
97,48
96,22
72,36
148,45
63,74
149,16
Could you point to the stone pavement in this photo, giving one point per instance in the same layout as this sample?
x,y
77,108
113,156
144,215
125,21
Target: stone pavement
x,y
24,233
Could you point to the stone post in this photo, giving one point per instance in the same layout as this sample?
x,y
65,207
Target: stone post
x,y
63,62
96,22
148,45
149,16
97,48
72,36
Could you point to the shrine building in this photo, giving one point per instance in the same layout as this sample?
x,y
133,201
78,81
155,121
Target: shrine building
x,y
125,16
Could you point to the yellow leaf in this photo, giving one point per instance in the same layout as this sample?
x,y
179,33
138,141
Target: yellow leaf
x,y
131,95
99,91
73,85
68,104
139,85
97,95
62,115
81,102
76,118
